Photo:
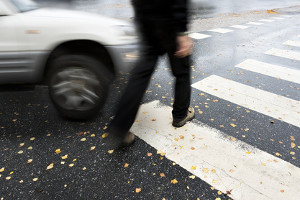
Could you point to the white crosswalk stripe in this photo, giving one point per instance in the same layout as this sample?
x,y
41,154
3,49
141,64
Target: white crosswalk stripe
x,y
220,30
240,26
255,23
278,18
276,71
294,55
292,43
266,20
249,173
279,107
199,36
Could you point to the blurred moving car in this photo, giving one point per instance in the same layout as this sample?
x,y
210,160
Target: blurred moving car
x,y
76,54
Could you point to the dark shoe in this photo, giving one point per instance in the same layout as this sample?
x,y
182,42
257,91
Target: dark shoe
x,y
181,122
128,139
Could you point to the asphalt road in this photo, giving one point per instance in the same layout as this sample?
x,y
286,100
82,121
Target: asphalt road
x,y
64,166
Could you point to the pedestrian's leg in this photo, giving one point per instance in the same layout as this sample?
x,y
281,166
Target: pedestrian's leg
x,y
133,95
181,70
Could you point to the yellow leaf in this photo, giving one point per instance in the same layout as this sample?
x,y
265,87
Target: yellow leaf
x,y
50,166
93,135
292,153
57,151
7,178
2,169
263,164
92,148
213,171
30,147
205,170
33,138
21,181
104,135
29,161
84,168
292,138
176,139
194,167
22,144
277,154
162,175
193,148
214,181
218,198
192,176
272,12
110,151
282,191
71,165
231,170
174,181
11,173
293,144
248,152
35,179
233,125
126,165
20,152
181,137
74,160
83,139
64,157
149,154
138,190
219,192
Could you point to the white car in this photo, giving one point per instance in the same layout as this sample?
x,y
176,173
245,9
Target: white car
x,y
75,53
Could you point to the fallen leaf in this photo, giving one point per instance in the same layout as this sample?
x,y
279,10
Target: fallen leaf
x,y
282,191
214,181
20,152
126,165
193,148
213,171
192,176
278,154
138,190
93,135
219,192
80,133
57,151
248,152
84,168
92,148
272,12
292,138
30,147
50,166
22,144
181,137
194,167
162,175
83,139
2,169
8,178
263,164
29,161
71,165
174,181
176,139
33,138
35,179
293,144
205,170
231,170
292,153
21,181
64,157
233,125
110,151
104,135
149,154
153,120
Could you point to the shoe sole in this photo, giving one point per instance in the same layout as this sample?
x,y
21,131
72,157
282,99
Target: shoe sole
x,y
181,124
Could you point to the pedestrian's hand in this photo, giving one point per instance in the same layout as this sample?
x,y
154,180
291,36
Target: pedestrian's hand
x,y
185,46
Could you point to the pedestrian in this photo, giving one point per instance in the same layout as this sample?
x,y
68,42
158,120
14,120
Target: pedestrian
x,y
163,28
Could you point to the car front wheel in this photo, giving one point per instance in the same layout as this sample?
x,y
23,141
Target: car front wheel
x,y
78,86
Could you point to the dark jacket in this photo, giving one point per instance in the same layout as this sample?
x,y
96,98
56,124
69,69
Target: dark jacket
x,y
171,13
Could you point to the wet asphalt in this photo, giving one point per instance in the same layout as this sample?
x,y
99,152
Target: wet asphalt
x,y
31,128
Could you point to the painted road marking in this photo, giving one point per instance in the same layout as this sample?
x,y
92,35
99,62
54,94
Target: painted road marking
x,y
294,55
279,18
292,43
199,36
276,106
239,26
276,71
255,23
220,30
266,20
227,165
286,16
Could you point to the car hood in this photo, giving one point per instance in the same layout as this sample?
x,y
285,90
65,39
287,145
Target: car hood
x,y
76,16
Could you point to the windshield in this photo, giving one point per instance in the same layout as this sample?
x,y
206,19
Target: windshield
x,y
24,5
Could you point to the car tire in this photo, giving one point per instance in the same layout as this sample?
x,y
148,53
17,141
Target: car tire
x,y
78,86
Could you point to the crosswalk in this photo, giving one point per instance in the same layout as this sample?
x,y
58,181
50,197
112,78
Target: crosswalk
x,y
250,173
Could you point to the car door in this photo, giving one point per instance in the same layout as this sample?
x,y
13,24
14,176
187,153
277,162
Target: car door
x,y
9,47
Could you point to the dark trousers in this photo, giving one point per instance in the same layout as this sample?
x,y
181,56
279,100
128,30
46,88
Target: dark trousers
x,y
156,42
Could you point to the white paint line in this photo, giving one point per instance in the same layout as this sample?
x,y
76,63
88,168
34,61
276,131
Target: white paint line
x,y
239,26
288,16
255,23
276,106
266,20
292,43
278,18
225,164
276,71
220,30
294,55
199,36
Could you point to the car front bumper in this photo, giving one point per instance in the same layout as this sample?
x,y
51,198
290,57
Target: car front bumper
x,y
124,56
